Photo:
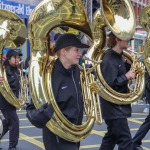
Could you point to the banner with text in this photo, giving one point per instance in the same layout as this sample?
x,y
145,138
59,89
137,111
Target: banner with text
x,y
22,10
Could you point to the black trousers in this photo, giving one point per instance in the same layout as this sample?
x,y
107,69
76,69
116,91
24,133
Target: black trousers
x,y
53,142
141,133
118,132
11,124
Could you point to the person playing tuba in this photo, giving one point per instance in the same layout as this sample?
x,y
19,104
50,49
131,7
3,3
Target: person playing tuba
x,y
11,122
116,72
67,92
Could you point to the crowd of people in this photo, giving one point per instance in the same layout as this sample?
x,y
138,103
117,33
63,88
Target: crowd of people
x,y
66,84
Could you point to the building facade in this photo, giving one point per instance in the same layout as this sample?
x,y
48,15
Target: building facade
x,y
138,5
140,35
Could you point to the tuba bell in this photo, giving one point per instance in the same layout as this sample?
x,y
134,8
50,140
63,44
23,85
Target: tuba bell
x,y
47,16
13,34
119,17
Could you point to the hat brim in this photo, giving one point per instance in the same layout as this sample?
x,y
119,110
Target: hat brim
x,y
81,45
20,54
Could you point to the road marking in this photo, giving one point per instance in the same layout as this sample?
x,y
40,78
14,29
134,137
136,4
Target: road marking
x,y
21,112
140,118
35,139
25,127
23,119
140,114
90,146
100,133
31,140
145,148
134,120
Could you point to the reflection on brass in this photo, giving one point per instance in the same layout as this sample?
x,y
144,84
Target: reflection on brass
x,y
13,34
47,16
144,19
115,6
103,18
119,16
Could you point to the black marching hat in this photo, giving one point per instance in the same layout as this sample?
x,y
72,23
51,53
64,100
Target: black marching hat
x,y
66,40
57,35
13,52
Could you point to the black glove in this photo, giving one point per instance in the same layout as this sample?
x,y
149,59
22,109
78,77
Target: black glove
x,y
39,117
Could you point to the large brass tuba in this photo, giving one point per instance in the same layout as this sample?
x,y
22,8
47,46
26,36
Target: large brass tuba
x,y
13,34
119,17
48,15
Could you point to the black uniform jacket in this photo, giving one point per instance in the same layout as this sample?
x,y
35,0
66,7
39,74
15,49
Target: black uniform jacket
x,y
113,71
13,80
67,92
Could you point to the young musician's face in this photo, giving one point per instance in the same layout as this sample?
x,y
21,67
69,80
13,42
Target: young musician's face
x,y
72,55
124,44
14,60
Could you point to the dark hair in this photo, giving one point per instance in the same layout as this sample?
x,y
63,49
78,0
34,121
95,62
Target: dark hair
x,y
6,62
111,42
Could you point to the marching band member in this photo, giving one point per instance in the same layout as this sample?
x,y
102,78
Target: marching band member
x,y
66,88
11,122
116,73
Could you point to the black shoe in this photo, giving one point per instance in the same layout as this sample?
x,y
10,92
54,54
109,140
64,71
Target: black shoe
x,y
139,148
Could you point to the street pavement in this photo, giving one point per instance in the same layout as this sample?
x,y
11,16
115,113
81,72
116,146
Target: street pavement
x,y
31,137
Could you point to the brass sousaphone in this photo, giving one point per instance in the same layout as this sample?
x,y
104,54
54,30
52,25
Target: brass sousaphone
x,y
13,34
119,17
48,15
